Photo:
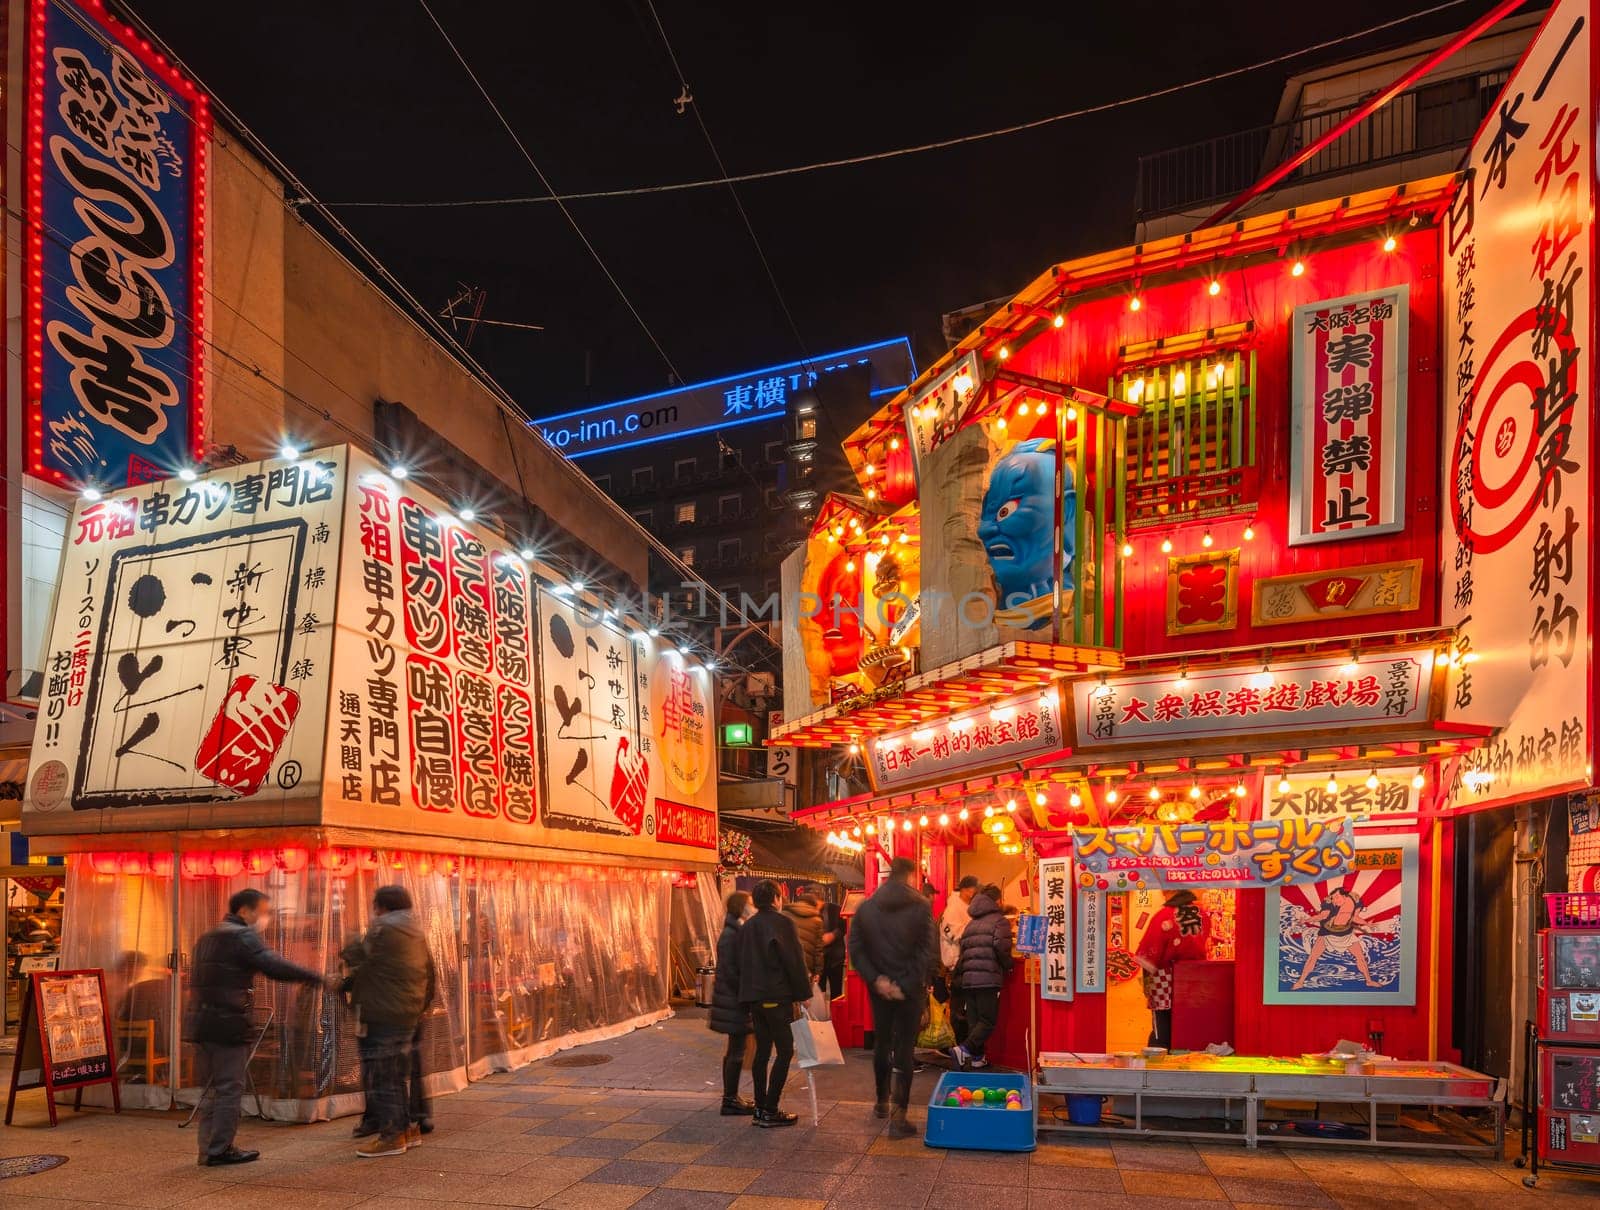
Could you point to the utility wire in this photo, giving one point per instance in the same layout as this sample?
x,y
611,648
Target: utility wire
x,y
560,199
550,189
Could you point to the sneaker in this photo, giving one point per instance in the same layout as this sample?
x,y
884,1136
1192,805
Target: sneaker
x,y
900,1128
771,1118
960,1056
363,1130
737,1108
426,1125
413,1136
233,1155
880,1109
977,1062
384,1144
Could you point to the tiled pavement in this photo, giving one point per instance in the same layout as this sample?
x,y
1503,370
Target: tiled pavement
x,y
546,1136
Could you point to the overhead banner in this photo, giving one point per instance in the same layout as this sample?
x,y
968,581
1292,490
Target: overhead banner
x,y
1005,733
1346,463
187,676
1394,689
1517,551
1225,852
1055,890
114,337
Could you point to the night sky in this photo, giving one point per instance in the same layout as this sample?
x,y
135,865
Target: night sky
x,y
364,101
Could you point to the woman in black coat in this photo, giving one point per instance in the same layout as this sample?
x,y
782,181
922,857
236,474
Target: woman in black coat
x,y
728,1016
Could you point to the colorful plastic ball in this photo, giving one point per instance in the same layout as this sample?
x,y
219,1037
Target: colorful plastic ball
x,y
952,1099
1014,1105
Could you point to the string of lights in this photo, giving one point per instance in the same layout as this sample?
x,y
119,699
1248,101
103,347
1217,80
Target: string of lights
x,y
915,149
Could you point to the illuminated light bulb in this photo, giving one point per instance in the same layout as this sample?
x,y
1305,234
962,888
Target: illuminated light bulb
x,y
1039,800
856,831
1011,804
1005,352
1127,550
1298,269
872,493
187,474
944,821
1136,391
1075,799
399,471
903,538
1166,546
1238,790
1194,791
1417,782
1214,288
1111,796
1179,381
872,829
855,749
1219,372
91,494
962,382
1059,320
850,565
526,554
1072,413
1000,423
868,470
289,451
1022,409
1183,677
1349,667
1249,533
1283,785
1372,780
883,539
1206,539
988,812
832,839
1042,408
683,649
1134,303
1155,793
963,813
469,514
923,822
894,443
1333,784
1389,244
653,632
905,826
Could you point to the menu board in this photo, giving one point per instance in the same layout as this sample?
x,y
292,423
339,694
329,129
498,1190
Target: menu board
x,y
64,1040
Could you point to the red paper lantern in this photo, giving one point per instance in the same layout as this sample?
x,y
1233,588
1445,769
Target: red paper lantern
x,y
367,859
161,865
196,865
258,861
292,861
106,863
228,864
448,866
132,863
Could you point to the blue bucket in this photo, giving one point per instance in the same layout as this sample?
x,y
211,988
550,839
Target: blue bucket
x,y
1083,1109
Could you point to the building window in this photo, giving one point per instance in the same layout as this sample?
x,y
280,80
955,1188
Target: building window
x,y
773,499
728,550
686,555
683,512
644,476
603,482
774,452
729,506
808,428
1191,446
683,469
645,517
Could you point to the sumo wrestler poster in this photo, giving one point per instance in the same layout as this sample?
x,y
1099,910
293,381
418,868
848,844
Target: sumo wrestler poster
x,y
1350,939
989,540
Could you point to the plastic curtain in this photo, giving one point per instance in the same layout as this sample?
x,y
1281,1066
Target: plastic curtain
x,y
532,958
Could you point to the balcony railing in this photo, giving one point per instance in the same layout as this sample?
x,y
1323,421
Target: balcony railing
x,y
1433,118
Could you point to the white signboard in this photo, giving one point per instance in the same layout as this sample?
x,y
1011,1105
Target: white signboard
x,y
1347,466
1009,731
1520,536
1091,941
781,758
1307,795
1055,895
1327,692
188,665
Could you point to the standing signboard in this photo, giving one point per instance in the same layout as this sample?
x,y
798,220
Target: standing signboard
x,y
1518,547
1346,466
114,329
64,1040
1055,890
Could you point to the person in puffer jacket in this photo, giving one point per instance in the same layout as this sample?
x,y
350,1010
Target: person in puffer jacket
x,y
807,917
728,1016
981,972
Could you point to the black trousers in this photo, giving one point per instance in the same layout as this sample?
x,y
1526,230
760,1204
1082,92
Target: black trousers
x,y
894,1038
983,1014
774,1045
833,979
1161,1027
733,1065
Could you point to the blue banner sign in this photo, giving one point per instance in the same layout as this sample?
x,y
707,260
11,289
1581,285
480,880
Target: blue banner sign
x,y
1227,853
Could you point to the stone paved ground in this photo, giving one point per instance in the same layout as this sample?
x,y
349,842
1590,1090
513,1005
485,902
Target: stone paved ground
x,y
642,1130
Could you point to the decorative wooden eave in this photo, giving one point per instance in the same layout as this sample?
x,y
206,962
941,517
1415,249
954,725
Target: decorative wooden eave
x,y
991,674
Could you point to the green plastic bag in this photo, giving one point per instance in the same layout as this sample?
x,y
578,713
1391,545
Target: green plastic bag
x,y
936,1031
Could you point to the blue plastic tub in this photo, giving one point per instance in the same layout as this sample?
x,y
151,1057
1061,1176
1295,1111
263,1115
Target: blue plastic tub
x,y
981,1128
1084,1109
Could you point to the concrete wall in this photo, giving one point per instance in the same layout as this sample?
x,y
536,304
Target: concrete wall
x,y
300,332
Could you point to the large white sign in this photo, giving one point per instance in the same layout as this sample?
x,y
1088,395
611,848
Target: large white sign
x,y
1055,898
980,738
1519,317
1394,791
1328,692
189,660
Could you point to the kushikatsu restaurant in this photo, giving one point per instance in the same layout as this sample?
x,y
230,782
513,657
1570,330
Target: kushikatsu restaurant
x,y
1148,610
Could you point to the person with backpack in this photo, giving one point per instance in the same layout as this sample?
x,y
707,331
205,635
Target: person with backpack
x,y
981,973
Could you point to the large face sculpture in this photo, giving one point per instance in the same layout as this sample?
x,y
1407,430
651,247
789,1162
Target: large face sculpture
x,y
1015,525
840,590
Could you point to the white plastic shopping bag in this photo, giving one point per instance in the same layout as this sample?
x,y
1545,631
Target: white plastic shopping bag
x,y
819,1008
815,1044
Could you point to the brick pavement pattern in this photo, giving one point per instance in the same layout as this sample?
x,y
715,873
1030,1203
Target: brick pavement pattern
x,y
643,1130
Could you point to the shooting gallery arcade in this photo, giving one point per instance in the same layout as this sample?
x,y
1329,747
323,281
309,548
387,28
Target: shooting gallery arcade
x,y
1092,644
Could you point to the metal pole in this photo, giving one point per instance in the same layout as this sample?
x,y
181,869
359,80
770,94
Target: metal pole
x,y
1061,487
1365,111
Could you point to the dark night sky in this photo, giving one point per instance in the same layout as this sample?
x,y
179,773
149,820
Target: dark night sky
x,y
364,101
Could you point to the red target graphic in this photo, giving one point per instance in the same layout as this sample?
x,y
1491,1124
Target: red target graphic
x,y
1505,486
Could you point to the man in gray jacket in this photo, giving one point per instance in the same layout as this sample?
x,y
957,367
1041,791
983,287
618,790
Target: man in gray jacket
x,y
391,982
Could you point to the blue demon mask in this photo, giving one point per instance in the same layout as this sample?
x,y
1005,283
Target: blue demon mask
x,y
1015,525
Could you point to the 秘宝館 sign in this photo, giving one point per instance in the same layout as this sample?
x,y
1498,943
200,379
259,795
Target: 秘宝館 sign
x,y
1006,732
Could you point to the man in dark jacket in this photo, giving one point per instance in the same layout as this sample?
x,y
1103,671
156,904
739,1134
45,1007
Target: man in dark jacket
x,y
833,948
222,978
807,917
981,972
390,983
894,946
772,984
728,1016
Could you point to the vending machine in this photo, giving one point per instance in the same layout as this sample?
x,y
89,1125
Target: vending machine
x,y
1569,1115
1569,985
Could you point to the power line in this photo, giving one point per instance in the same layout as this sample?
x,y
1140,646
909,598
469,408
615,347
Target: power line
x,y
550,189
560,199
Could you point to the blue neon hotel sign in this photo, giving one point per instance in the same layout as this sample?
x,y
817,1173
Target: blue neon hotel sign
x,y
722,403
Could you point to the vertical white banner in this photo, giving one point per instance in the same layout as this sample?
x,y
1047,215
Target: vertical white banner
x,y
1091,941
1055,893
1519,316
